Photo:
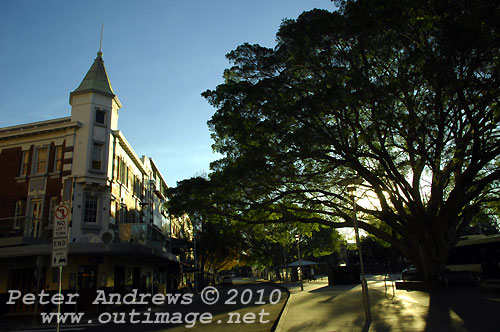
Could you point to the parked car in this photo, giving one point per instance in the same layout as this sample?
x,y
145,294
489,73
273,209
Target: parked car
x,y
410,274
226,281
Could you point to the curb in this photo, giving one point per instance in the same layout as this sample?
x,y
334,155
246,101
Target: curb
x,y
276,326
278,323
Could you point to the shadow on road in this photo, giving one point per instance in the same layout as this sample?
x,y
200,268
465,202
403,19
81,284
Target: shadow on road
x,y
340,288
478,310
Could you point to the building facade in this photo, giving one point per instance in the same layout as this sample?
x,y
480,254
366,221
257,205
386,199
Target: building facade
x,y
120,234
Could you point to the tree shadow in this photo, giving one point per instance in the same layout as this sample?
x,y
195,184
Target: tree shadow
x,y
396,314
448,309
339,288
478,310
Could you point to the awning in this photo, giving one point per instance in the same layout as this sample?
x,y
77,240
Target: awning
x,y
302,263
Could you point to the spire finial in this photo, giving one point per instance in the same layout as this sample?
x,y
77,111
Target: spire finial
x,y
100,43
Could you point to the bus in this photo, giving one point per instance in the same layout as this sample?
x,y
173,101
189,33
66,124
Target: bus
x,y
475,257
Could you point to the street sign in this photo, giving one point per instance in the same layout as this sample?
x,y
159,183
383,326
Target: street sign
x,y
60,236
59,252
61,212
60,229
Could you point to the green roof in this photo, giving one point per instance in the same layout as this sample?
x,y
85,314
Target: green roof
x,y
96,80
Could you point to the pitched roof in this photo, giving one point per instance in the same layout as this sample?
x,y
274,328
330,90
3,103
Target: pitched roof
x,y
96,80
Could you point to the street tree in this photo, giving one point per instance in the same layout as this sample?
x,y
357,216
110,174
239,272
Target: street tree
x,y
274,244
401,94
220,241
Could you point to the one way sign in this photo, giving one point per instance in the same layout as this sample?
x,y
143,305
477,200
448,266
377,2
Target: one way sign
x,y
60,236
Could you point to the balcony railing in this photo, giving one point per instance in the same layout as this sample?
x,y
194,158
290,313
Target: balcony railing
x,y
22,231
143,234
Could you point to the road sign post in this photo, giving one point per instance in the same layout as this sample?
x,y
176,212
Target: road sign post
x,y
60,236
60,244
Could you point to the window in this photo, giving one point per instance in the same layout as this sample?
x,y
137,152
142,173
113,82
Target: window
x,y
130,216
87,277
58,159
54,200
19,214
117,213
24,163
134,189
127,177
41,160
117,163
97,156
123,171
123,214
137,186
100,117
90,209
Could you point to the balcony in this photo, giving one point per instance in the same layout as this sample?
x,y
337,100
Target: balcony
x,y
16,231
142,234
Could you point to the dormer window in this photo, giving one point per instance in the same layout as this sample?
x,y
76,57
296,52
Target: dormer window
x,y
100,117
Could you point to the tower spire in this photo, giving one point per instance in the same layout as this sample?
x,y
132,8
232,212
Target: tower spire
x,y
100,43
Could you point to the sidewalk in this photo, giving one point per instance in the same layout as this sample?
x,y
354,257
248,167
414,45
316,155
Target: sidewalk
x,y
320,308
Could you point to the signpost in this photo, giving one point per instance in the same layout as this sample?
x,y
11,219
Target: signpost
x,y
60,236
60,243
38,277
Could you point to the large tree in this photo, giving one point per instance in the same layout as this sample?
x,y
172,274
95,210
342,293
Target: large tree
x,y
402,94
220,241
223,243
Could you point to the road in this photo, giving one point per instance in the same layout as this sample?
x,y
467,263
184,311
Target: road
x,y
243,306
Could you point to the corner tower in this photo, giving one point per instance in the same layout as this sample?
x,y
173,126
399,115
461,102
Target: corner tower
x,y
95,106
95,88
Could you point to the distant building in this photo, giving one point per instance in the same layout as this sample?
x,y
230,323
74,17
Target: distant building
x,y
120,232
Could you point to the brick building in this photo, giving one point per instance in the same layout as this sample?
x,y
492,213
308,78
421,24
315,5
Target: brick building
x,y
120,231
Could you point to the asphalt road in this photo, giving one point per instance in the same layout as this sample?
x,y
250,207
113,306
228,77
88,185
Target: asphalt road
x,y
243,306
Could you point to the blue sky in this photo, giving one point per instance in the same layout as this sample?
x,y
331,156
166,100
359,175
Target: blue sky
x,y
160,56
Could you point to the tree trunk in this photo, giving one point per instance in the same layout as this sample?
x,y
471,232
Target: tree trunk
x,y
428,253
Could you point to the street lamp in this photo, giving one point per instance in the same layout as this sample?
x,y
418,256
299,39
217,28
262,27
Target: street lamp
x,y
297,237
351,188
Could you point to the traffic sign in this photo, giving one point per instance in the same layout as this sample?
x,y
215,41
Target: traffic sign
x,y
59,252
62,212
60,236
60,229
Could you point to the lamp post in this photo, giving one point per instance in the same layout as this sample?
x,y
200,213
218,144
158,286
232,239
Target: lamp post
x,y
297,237
351,187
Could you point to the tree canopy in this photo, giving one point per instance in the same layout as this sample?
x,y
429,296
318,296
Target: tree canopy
x,y
223,243
402,94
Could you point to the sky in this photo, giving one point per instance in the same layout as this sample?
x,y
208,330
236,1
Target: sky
x,y
160,56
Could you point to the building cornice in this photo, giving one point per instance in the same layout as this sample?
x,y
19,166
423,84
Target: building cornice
x,y
37,128
158,172
128,149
